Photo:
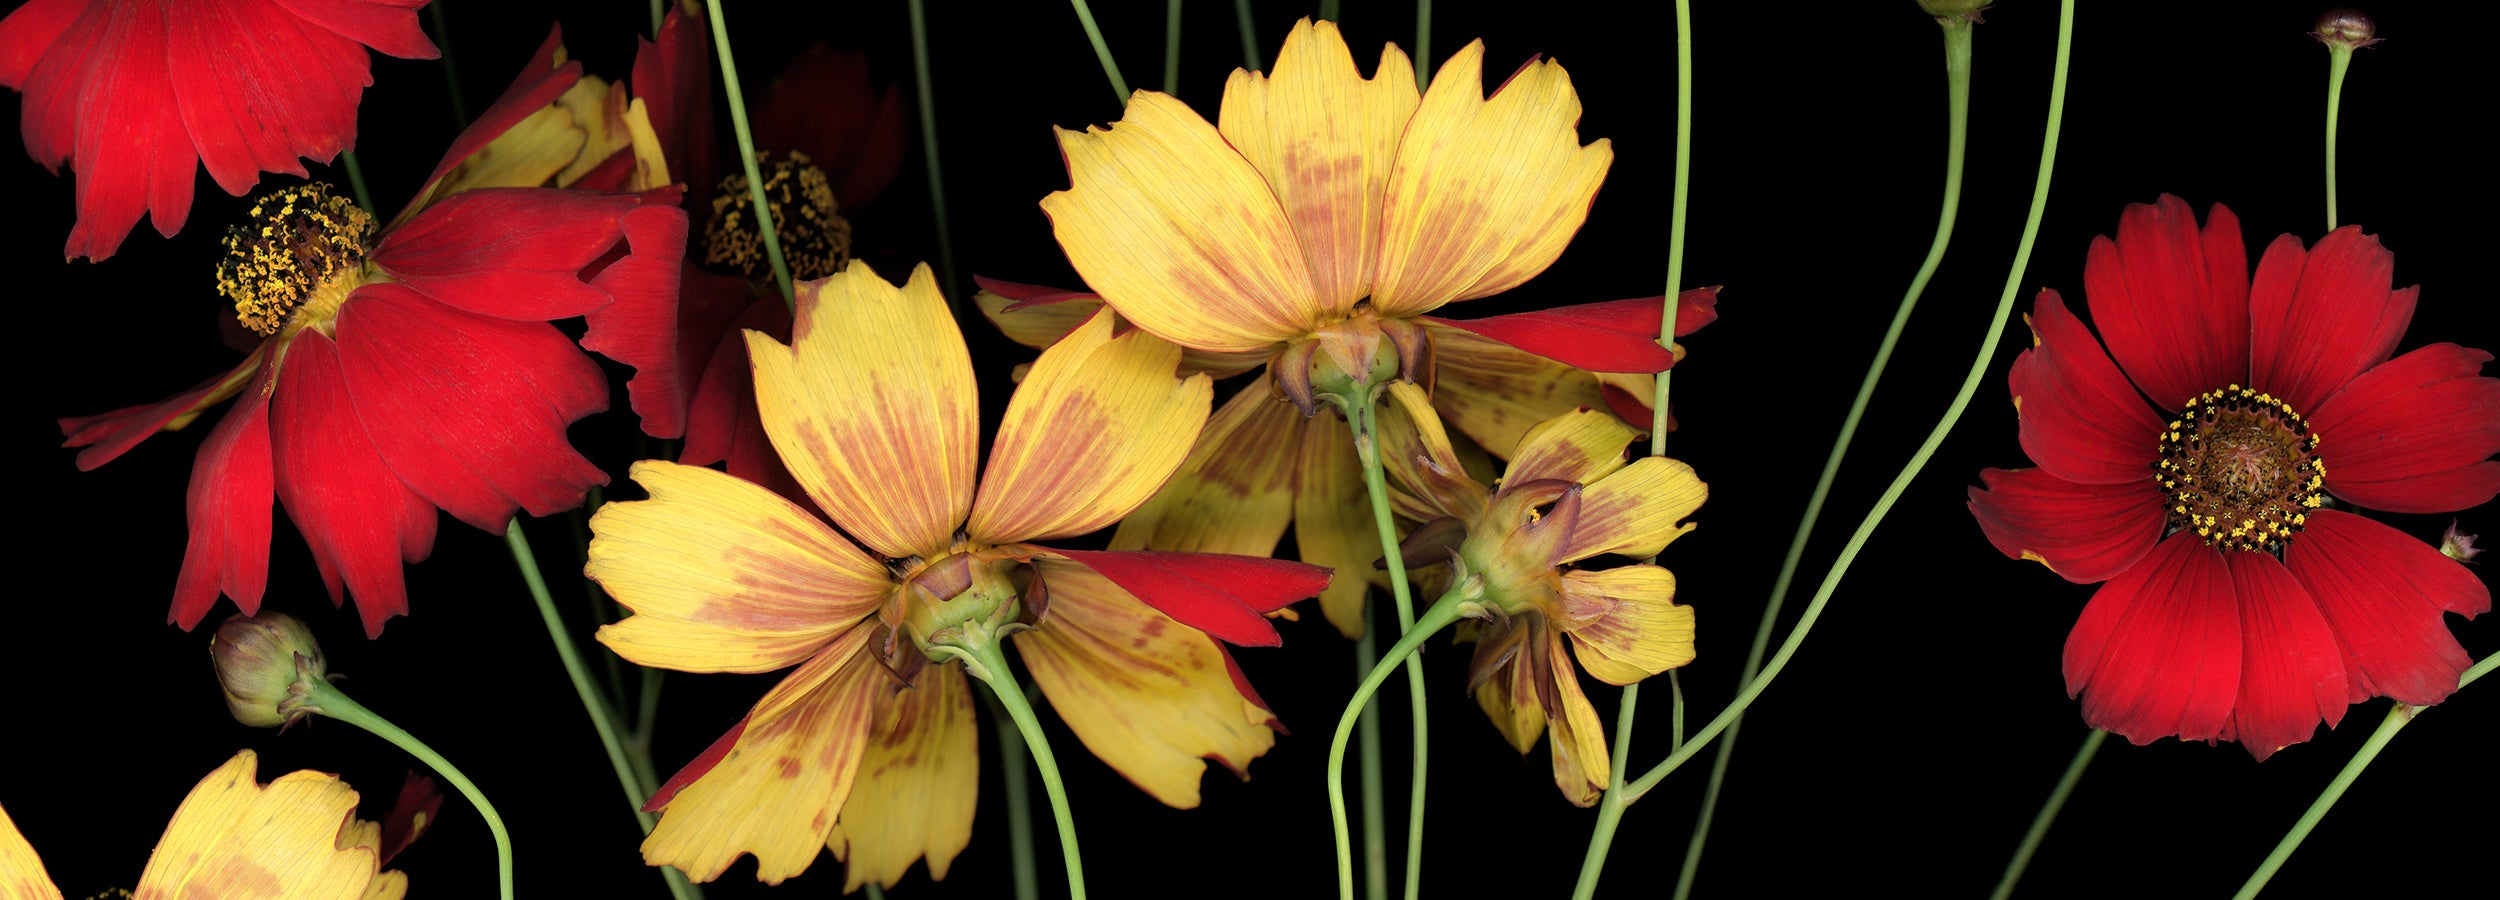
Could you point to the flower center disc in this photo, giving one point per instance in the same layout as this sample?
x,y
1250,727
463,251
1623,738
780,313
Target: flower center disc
x,y
292,255
2240,469
815,239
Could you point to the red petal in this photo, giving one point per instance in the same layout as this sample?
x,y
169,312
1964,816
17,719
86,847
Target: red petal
x,y
539,84
1241,683
2291,671
512,253
2171,302
2414,434
1614,336
108,435
419,806
2317,318
673,79
702,765
469,411
228,506
291,94
100,100
2157,651
2083,532
2080,419
1218,593
823,106
389,26
28,34
639,328
358,517
1030,294
2382,592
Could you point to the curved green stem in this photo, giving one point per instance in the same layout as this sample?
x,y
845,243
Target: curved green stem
x,y
929,148
1015,760
981,657
326,699
2048,815
746,153
1102,52
1442,613
1362,416
2338,58
1367,774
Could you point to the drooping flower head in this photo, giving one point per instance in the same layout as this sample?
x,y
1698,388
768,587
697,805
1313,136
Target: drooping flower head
x,y
2239,603
136,96
868,746
405,369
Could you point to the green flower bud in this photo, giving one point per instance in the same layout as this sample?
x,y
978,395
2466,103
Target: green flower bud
x,y
265,665
1947,10
2345,28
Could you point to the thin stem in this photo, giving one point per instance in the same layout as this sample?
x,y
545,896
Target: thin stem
x,y
929,146
1367,773
659,15
746,152
327,700
1423,43
1249,36
1442,613
451,73
1675,712
2338,58
1363,418
1017,761
981,657
2048,814
1102,52
1328,10
1171,48
356,181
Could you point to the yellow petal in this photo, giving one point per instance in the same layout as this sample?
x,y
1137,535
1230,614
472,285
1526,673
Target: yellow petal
x,y
1417,453
1234,494
390,885
1332,520
775,794
236,838
1150,696
598,109
1177,231
1637,510
873,408
1581,764
1582,445
1042,324
1626,622
725,576
1097,426
917,782
1324,137
1493,392
1486,192
1510,702
21,872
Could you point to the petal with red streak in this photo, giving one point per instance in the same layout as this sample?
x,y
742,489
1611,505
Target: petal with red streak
x,y
2080,419
359,518
540,82
918,779
2321,316
1581,761
1234,493
2083,532
21,871
1636,511
2414,434
2172,301
2383,593
1615,336
1097,426
2292,671
1493,392
2157,651
1626,623
227,504
1224,595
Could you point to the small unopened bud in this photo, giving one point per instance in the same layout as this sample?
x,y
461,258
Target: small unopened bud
x,y
265,665
2457,545
1947,10
2346,28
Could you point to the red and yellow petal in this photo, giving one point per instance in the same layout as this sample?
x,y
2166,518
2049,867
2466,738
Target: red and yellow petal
x,y
1324,137
21,871
2083,532
1151,697
874,409
1224,595
361,521
725,576
2414,434
522,140
1581,446
1234,493
1418,455
1581,762
2172,301
1493,392
106,436
2383,593
2291,669
1180,234
2080,419
1637,510
2319,317
1625,622
1619,336
235,837
1486,192
918,779
2157,652
227,504
1098,425
1332,521
1037,316
672,77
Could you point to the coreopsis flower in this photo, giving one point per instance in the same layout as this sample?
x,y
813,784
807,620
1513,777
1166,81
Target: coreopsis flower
x,y
2239,605
135,96
297,837
1319,222
404,370
868,747
1515,553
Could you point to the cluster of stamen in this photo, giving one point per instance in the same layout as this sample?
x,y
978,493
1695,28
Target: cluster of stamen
x,y
2241,469
815,239
299,238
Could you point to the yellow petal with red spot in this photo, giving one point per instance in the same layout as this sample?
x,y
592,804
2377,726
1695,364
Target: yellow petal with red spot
x,y
236,838
1324,137
1037,326
1583,446
1150,696
1626,623
1332,520
723,575
1178,232
1097,426
1581,764
1637,510
1493,392
776,792
1486,192
1510,701
873,408
1417,453
918,779
21,872
1234,494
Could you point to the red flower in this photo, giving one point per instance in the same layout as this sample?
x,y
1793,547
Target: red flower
x,y
2238,606
403,374
135,93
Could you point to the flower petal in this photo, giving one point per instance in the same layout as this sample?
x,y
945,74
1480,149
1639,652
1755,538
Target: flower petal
x,y
1098,425
673,78
2414,434
1582,446
1037,316
1332,521
1493,392
823,105
514,253
1581,762
2383,592
360,519
1234,493
387,26
2080,420
918,779
520,141
235,837
1149,696
640,326
1614,336
722,422
1324,138
2172,301
1221,594
1637,511
1628,626
2157,650
2292,671
100,100
231,492
2083,532
1417,454
2319,317
1509,699
27,35
1486,191
724,576
21,872
293,94
1179,233
106,436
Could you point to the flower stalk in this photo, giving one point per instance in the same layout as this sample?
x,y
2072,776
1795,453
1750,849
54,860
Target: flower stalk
x,y
746,150
978,649
2048,814
323,698
1442,613
1359,404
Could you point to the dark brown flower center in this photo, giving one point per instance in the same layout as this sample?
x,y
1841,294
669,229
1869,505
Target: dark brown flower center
x,y
291,255
815,239
2241,469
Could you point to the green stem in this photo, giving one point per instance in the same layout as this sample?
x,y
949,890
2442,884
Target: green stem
x,y
1328,10
1017,761
451,73
2398,716
2338,58
1957,67
929,146
1368,771
1362,416
1102,52
1675,713
1249,36
659,16
327,700
1423,43
746,153
1171,48
1442,613
981,657
356,181
2048,815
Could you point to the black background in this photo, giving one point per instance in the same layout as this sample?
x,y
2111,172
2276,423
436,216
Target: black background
x,y
1907,746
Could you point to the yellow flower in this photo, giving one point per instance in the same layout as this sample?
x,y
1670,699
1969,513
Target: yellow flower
x,y
868,747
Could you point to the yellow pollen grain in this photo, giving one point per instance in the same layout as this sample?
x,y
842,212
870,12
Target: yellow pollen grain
x,y
273,267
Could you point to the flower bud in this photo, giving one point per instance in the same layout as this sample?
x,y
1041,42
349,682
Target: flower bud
x,y
265,663
2345,28
1955,9
2457,545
